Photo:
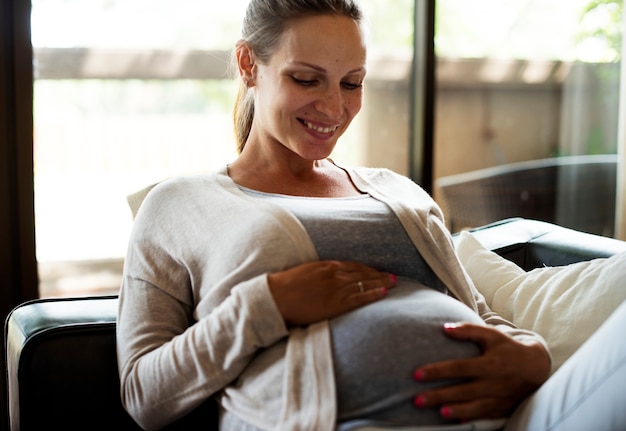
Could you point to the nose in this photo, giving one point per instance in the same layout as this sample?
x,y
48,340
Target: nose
x,y
331,102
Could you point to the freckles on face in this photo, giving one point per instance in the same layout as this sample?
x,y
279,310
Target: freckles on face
x,y
311,88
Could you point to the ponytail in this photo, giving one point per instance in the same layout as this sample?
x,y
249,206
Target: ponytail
x,y
243,115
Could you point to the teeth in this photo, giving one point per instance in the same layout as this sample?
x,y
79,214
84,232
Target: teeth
x,y
320,129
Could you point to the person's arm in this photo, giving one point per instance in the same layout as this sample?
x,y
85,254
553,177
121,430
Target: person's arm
x,y
170,364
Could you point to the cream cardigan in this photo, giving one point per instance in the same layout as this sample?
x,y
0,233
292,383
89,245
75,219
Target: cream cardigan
x,y
196,317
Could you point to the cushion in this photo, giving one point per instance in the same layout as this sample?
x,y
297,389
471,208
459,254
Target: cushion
x,y
564,304
136,199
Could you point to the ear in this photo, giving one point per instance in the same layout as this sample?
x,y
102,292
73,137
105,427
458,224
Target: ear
x,y
246,64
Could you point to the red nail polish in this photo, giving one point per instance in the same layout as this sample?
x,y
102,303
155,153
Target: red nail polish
x,y
450,326
419,401
419,375
446,412
394,278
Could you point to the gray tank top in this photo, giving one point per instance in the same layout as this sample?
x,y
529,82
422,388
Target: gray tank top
x,y
376,348
360,229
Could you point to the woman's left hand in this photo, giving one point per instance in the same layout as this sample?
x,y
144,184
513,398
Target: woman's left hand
x,y
495,383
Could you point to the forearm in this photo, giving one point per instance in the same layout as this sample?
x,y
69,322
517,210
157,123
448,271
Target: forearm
x,y
169,365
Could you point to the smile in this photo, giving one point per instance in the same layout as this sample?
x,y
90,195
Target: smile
x,y
318,128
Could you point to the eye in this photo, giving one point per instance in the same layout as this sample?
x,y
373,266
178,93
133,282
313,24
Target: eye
x,y
352,85
304,82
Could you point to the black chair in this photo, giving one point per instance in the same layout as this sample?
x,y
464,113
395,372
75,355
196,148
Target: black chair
x,y
577,192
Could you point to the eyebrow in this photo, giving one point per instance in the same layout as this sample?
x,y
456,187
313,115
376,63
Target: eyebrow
x,y
321,69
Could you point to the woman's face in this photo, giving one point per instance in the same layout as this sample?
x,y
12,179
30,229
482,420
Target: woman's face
x,y
311,89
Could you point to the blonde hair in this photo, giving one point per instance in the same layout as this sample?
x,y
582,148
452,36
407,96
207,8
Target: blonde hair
x,y
263,26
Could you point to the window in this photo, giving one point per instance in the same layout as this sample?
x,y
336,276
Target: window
x,y
527,111
128,93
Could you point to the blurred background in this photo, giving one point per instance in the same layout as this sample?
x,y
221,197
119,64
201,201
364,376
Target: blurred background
x,y
128,93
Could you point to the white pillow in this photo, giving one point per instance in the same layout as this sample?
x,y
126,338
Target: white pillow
x,y
564,304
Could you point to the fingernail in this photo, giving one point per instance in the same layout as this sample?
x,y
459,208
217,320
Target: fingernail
x,y
446,412
394,278
450,326
419,375
384,291
419,401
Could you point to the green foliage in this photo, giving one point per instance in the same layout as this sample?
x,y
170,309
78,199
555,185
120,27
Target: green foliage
x,y
603,22
568,30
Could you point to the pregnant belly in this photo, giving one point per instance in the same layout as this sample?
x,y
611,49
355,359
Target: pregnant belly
x,y
376,349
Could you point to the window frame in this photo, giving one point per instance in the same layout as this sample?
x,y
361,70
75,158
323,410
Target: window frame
x,y
18,270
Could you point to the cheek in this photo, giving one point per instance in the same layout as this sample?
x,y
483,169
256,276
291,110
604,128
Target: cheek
x,y
354,103
271,99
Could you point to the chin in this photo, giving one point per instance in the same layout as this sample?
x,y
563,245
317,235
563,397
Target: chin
x,y
314,152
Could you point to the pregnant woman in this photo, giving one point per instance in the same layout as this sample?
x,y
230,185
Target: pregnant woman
x,y
301,294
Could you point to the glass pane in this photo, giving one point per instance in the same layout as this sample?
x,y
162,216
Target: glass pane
x,y
128,93
527,111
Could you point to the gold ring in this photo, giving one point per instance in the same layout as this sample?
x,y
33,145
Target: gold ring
x,y
360,284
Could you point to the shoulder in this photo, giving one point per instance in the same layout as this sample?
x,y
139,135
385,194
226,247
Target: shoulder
x,y
176,213
380,176
374,174
386,181
180,187
174,193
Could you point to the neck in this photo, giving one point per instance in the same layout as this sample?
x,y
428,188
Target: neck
x,y
318,178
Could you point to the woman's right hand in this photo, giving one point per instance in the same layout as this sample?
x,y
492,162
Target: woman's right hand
x,y
316,291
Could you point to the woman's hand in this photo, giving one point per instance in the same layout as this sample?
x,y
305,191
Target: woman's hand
x,y
316,291
496,382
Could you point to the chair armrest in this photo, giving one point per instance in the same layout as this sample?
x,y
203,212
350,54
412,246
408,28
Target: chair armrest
x,y
533,244
62,368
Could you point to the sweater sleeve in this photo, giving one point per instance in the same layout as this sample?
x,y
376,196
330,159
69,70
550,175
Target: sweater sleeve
x,y
169,366
492,318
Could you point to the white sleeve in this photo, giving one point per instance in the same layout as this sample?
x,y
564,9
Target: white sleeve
x,y
170,364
